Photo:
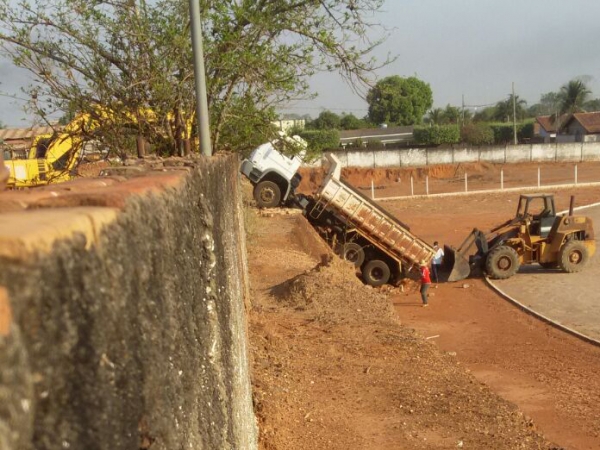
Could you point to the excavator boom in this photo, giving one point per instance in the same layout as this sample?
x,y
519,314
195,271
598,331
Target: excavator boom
x,y
53,158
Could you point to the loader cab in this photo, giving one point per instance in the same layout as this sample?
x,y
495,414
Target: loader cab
x,y
540,211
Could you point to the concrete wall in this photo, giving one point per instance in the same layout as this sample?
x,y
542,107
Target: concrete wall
x,y
122,321
575,151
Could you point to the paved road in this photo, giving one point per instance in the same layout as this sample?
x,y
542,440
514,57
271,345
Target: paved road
x,y
572,300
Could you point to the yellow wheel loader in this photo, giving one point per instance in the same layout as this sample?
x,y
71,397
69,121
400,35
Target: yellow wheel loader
x,y
537,235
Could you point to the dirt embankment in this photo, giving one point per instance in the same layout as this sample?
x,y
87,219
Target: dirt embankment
x,y
312,178
334,369
396,181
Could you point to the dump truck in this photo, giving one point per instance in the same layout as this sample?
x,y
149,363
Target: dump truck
x,y
358,229
362,232
536,235
274,174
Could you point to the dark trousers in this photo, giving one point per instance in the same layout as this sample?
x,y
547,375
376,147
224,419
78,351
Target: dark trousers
x,y
424,288
435,269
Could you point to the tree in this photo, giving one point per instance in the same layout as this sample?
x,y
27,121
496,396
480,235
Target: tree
x,y
573,96
351,122
435,117
485,115
448,115
452,114
504,109
548,105
592,105
135,55
466,116
318,141
398,100
326,120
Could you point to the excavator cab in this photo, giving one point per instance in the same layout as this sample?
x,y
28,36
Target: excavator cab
x,y
538,212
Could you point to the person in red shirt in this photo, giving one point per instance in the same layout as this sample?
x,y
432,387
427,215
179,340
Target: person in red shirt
x,y
425,281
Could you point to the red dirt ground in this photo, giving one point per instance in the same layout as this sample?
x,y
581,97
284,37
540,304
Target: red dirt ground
x,y
336,367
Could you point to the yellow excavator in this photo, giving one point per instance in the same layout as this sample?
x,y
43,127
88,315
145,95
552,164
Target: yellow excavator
x,y
53,158
3,172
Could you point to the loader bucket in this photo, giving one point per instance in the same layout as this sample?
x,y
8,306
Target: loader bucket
x,y
457,263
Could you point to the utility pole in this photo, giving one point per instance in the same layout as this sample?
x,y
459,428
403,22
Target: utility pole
x,y
200,80
514,113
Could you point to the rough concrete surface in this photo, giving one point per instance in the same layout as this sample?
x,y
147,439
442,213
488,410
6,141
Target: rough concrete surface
x,y
137,339
569,299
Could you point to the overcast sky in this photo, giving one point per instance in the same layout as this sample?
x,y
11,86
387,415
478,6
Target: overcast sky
x,y
475,48
478,48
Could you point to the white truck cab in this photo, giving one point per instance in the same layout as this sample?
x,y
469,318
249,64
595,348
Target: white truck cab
x,y
273,174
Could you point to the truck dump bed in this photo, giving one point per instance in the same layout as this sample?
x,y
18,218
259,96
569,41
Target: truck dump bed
x,y
370,220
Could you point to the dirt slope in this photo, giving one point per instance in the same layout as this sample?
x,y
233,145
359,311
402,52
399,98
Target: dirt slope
x,y
551,375
333,368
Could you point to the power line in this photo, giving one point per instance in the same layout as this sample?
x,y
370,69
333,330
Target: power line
x,y
321,108
481,106
2,94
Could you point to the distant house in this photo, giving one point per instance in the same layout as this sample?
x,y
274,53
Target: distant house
x,y
287,124
23,136
384,136
584,127
545,127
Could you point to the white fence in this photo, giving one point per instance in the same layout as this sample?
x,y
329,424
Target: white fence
x,y
412,157
499,188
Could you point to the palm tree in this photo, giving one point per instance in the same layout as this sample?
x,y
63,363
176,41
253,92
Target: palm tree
x,y
504,109
436,116
452,114
573,96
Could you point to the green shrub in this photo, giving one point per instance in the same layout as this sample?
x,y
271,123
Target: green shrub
x,y
319,140
375,144
525,131
477,134
437,135
504,132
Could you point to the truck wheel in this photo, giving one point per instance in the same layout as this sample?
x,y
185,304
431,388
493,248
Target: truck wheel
x,y
502,262
267,194
376,273
573,256
354,253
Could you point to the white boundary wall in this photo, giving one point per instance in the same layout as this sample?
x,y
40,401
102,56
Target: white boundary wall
x,y
412,157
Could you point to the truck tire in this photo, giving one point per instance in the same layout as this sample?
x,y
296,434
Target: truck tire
x,y
573,256
376,273
502,262
267,194
353,252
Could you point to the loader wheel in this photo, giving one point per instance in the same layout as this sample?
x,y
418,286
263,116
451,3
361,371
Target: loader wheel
x,y
376,273
502,262
354,253
267,194
573,256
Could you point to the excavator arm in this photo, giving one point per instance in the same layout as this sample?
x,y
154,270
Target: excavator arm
x,y
53,158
